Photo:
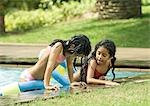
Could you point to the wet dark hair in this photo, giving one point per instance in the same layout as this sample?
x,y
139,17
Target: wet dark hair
x,y
81,42
110,46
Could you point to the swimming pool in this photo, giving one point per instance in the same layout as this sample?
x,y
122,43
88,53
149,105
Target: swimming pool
x,y
11,74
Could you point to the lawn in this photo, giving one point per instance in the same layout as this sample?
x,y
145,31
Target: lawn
x,y
132,32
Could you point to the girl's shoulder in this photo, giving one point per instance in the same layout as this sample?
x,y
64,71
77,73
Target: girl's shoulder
x,y
92,62
57,45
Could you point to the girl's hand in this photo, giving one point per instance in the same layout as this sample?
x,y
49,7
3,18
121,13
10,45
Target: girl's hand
x,y
79,84
75,84
110,83
83,85
54,87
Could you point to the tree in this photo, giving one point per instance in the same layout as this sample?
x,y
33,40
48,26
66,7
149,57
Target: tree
x,y
118,9
2,16
7,5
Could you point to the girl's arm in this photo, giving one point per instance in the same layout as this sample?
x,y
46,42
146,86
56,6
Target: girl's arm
x,y
77,82
76,76
90,76
51,64
70,68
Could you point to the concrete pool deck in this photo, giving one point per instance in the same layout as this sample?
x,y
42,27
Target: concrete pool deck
x,y
29,52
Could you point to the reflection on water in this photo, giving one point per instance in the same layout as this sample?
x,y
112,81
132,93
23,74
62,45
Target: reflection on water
x,y
9,75
29,96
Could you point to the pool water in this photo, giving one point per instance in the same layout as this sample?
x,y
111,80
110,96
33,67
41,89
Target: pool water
x,y
125,74
10,75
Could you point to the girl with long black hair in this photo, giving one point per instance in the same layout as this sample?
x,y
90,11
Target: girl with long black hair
x,y
53,55
95,68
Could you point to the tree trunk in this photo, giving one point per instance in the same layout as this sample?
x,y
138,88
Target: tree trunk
x,y
2,15
118,9
2,24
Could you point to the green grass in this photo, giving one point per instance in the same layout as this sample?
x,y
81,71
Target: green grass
x,y
129,94
132,32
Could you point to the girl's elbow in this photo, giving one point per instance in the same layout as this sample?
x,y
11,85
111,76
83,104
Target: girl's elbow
x,y
88,81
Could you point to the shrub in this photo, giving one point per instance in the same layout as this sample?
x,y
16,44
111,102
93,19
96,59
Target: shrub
x,y
24,20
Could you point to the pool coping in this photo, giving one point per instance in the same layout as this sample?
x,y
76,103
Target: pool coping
x,y
27,54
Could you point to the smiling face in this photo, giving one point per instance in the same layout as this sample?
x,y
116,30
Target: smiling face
x,y
102,55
